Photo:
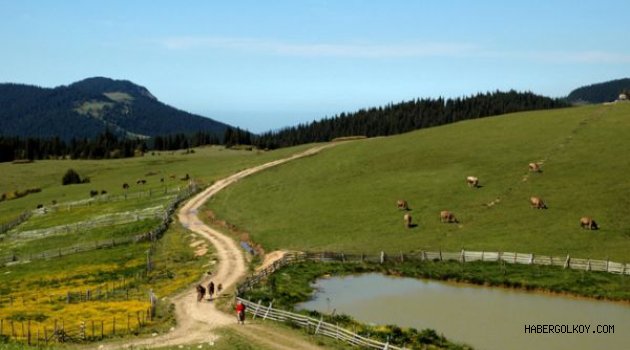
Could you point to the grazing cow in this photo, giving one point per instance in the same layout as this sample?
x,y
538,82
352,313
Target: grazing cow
x,y
173,176
161,179
93,193
103,192
447,217
141,182
39,206
125,186
588,222
407,220
402,204
534,167
472,181
537,203
185,178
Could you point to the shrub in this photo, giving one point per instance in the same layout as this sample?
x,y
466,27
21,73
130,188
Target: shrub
x,y
71,177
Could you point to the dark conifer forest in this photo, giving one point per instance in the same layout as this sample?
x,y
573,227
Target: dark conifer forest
x,y
378,121
407,116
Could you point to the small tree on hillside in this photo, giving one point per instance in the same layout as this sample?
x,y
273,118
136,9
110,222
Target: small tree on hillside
x,y
70,177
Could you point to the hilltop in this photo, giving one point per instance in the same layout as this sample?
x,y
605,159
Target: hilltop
x,y
345,198
87,107
601,92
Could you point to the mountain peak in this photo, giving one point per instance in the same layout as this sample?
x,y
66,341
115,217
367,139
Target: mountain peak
x,y
89,106
103,85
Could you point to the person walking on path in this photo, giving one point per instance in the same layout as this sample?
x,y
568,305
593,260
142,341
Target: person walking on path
x,y
219,288
201,291
240,312
211,289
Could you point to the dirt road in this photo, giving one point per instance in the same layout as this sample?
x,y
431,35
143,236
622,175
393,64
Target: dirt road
x,y
195,321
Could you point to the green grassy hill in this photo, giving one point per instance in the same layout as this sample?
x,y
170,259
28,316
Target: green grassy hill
x,y
344,199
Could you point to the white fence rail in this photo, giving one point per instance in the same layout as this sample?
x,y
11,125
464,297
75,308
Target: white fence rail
x,y
314,325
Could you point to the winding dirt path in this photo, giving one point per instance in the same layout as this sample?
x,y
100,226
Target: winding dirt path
x,y
196,321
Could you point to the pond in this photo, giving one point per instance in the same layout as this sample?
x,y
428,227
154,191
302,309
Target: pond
x,y
483,317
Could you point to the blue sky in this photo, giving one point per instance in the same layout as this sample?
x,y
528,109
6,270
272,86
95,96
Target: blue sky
x,y
268,64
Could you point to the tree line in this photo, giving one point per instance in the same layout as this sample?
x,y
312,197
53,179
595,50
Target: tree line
x,y
407,116
378,121
108,145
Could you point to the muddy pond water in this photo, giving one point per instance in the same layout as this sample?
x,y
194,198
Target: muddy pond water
x,y
483,317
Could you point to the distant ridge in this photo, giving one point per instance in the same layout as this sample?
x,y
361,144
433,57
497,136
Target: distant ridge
x,y
89,106
601,92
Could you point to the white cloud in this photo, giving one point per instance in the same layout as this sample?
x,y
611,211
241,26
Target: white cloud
x,y
396,50
359,50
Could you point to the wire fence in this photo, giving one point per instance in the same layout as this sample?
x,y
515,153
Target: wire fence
x,y
152,235
20,219
75,331
123,288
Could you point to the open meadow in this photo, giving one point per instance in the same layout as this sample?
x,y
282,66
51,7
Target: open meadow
x,y
80,265
345,198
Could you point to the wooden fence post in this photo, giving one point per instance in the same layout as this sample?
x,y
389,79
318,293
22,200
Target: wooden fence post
x,y
29,333
268,309
321,318
567,263
382,257
257,307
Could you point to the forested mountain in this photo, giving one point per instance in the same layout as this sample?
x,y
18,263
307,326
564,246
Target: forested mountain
x,y
406,116
600,92
88,107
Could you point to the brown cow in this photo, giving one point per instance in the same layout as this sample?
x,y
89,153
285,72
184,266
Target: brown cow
x,y
402,204
407,220
537,203
472,181
588,222
534,167
447,217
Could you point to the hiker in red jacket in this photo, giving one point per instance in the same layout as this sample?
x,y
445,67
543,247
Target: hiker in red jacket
x,y
240,312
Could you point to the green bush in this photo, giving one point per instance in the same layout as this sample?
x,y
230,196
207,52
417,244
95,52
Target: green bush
x,y
71,177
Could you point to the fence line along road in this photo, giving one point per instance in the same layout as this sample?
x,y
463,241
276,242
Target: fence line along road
x,y
314,325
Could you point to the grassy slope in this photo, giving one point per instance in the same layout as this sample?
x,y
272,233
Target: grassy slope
x,y
344,199
207,164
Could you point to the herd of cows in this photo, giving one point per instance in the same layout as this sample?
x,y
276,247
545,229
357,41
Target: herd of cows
x,y
446,216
